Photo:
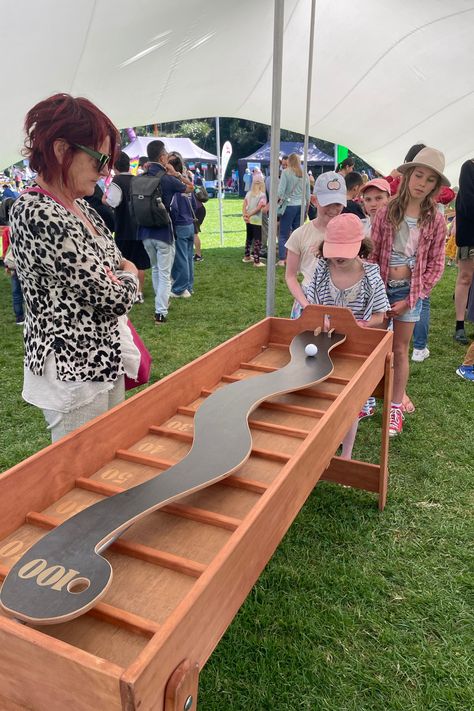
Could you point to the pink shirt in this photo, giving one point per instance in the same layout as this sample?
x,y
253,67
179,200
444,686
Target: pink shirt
x,y
429,264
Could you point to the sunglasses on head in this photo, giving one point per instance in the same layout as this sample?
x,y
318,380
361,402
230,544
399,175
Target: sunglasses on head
x,y
102,158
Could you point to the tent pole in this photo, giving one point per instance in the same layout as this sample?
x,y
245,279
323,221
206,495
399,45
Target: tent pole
x,y
219,178
275,150
304,207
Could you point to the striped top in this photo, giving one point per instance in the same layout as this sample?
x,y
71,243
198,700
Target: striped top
x,y
364,298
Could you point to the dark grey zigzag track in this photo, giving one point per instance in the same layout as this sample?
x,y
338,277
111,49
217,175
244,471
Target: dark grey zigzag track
x,y
222,442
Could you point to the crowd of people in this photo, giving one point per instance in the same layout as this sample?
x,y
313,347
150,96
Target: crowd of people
x,y
375,246
78,245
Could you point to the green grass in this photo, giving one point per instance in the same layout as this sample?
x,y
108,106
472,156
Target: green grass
x,y
357,610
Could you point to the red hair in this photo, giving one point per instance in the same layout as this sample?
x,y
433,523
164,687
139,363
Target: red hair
x,y
73,120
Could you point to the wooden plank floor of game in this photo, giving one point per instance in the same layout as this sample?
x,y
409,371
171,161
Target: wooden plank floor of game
x,y
181,573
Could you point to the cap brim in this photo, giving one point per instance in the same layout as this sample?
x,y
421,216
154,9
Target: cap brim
x,y
349,250
405,166
336,199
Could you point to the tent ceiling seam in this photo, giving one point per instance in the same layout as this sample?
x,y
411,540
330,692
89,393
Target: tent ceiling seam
x,y
86,37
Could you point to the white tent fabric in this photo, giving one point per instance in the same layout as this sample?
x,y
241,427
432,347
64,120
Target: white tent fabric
x,y
189,150
386,74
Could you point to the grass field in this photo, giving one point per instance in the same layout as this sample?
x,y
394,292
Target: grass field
x,y
357,610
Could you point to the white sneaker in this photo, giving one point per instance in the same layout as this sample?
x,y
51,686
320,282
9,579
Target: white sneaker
x,y
184,295
420,354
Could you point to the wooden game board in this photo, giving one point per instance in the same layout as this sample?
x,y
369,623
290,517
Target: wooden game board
x,y
180,573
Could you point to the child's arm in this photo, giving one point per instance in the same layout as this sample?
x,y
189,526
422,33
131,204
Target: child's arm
x,y
436,255
291,277
375,321
245,213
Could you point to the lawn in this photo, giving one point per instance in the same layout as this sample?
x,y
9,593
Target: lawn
x,y
357,610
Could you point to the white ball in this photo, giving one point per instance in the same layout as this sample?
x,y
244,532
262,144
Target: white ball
x,y
311,349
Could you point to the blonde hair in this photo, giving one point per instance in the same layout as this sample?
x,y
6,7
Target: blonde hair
x,y
294,164
258,186
397,207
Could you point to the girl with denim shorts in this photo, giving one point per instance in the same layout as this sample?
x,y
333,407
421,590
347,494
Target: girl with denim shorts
x,y
409,238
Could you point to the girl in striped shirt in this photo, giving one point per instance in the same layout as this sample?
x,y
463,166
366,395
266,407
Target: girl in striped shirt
x,y
342,278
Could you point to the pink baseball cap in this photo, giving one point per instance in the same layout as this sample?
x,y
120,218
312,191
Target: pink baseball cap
x,y
344,235
379,183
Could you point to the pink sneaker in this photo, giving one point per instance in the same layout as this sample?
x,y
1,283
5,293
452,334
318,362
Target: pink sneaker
x,y
396,422
366,412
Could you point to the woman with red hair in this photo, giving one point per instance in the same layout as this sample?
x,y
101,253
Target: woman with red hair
x,y
75,282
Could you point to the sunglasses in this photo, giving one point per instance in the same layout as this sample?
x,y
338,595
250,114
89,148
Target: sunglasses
x,y
102,158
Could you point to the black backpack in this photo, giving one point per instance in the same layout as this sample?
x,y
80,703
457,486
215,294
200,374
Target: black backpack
x,y
146,204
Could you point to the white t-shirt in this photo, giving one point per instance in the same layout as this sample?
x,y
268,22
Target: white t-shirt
x,y
302,242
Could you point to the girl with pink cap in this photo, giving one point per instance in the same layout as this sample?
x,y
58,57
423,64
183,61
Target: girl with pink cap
x,y
343,278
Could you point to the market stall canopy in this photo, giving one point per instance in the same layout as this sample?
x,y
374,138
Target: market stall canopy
x,y
385,74
315,155
189,150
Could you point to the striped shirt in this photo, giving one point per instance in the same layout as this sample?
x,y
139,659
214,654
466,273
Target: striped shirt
x,y
364,298
429,264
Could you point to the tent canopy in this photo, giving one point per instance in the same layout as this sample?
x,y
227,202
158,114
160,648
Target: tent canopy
x,y
315,155
385,74
189,150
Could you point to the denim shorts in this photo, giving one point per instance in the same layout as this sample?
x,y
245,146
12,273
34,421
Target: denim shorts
x,y
399,293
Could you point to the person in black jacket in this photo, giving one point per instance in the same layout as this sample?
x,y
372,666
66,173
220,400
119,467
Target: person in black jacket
x,y
117,196
465,245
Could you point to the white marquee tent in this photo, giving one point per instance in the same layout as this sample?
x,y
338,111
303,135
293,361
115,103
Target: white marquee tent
x,y
385,74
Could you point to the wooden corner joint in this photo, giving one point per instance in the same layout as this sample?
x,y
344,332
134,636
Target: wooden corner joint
x,y
182,687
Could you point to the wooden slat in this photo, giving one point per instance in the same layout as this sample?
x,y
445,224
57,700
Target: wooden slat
x,y
165,432
307,392
258,367
329,379
237,482
262,425
280,346
138,458
203,516
293,409
277,429
113,615
135,550
254,485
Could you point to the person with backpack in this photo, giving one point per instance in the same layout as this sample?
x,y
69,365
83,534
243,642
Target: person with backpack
x,y
150,199
125,228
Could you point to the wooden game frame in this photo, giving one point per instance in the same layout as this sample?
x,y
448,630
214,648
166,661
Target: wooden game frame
x,y
181,575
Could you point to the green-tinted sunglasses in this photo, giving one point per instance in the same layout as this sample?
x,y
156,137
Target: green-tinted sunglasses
x,y
102,158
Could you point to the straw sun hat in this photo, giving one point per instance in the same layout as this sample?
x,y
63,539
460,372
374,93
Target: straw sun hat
x,y
428,158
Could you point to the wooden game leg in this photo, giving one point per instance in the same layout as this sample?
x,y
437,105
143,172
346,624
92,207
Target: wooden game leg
x,y
387,399
182,688
362,475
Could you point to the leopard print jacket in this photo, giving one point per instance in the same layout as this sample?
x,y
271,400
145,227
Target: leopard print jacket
x,y
72,305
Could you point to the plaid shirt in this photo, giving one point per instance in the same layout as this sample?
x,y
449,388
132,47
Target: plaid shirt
x,y
429,264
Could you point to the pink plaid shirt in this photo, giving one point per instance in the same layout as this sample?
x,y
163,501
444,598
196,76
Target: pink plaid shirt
x,y
429,264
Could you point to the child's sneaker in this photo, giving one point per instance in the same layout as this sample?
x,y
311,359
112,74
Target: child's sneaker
x,y
366,412
420,354
247,259
396,422
466,372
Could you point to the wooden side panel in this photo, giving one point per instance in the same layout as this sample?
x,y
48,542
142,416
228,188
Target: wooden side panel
x,y
43,674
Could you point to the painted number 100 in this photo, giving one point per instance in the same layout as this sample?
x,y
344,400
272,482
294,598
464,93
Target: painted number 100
x,y
52,576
